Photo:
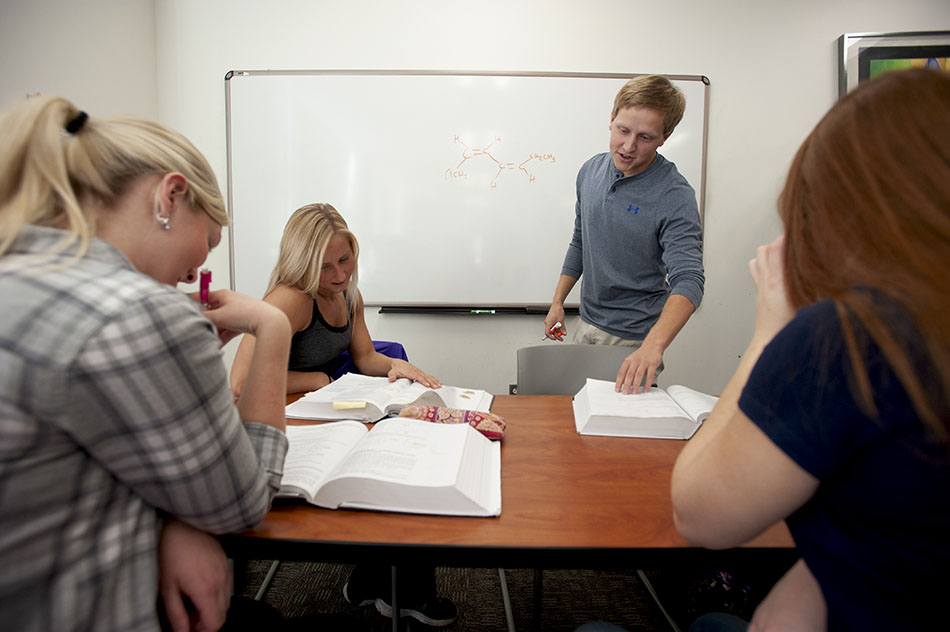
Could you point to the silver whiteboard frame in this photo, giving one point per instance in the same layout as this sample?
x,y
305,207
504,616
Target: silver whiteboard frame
x,y
447,73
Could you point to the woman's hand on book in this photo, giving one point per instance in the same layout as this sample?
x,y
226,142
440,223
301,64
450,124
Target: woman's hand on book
x,y
401,368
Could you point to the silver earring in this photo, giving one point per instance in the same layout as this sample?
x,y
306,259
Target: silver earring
x,y
163,221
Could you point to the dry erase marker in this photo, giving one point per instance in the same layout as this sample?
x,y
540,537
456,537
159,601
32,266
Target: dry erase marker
x,y
204,281
555,331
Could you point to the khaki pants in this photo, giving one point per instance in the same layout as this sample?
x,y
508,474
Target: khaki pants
x,y
587,334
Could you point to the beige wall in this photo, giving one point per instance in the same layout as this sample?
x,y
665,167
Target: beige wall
x,y
772,66
98,53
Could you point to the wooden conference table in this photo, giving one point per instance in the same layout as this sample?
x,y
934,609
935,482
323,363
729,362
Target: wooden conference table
x,y
568,501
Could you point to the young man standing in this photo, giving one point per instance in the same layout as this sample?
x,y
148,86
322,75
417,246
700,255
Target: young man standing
x,y
637,237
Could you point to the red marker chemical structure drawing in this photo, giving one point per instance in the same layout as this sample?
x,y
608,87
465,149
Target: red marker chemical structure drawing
x,y
469,153
204,282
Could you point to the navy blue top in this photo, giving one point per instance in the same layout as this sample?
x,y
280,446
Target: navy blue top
x,y
876,534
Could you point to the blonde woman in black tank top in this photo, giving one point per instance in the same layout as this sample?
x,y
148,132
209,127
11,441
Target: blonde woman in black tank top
x,y
315,284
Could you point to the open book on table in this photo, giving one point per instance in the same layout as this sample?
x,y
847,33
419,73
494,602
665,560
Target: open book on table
x,y
366,398
674,413
403,465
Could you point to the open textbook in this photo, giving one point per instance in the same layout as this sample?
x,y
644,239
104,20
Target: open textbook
x,y
674,413
403,465
366,398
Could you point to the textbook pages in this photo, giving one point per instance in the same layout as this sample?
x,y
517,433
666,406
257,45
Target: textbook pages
x,y
369,399
674,413
403,465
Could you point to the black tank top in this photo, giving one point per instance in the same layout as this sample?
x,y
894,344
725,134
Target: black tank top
x,y
312,348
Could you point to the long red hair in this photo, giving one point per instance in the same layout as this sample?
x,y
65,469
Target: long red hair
x,y
867,205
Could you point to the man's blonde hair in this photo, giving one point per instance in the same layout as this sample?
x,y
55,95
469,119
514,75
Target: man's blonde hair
x,y
655,92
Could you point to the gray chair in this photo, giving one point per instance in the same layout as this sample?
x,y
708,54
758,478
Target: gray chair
x,y
562,369
559,368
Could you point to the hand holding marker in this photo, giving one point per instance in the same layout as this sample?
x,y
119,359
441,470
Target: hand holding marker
x,y
204,281
556,330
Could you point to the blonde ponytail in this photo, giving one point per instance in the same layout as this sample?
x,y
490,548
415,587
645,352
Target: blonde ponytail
x,y
45,168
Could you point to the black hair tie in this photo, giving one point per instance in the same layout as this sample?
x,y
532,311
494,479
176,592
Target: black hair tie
x,y
76,124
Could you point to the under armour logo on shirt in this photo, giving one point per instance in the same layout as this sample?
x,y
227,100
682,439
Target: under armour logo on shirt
x,y
631,208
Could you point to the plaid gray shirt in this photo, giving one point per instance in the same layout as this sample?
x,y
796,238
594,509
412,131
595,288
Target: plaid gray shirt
x,y
114,404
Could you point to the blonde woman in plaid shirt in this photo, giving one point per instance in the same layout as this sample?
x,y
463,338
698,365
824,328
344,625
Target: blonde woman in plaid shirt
x,y
115,411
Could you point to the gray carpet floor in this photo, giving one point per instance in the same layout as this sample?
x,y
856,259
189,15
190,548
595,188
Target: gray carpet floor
x,y
569,597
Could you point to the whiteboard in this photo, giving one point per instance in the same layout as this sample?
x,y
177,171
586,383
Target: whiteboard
x,y
459,187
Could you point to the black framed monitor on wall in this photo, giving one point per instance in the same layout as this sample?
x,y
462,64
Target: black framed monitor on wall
x,y
863,56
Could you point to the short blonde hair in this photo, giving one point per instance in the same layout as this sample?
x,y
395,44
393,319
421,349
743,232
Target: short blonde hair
x,y
655,92
45,169
303,245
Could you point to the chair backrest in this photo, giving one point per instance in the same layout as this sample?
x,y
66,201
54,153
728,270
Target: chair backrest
x,y
343,363
562,369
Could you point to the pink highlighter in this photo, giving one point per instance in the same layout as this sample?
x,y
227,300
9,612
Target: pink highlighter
x,y
204,281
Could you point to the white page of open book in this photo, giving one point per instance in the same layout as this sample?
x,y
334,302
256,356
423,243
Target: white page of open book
x,y
696,404
465,398
654,403
314,450
357,388
381,393
395,448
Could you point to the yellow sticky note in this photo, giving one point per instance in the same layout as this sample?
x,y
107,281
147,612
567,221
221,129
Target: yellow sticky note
x,y
348,405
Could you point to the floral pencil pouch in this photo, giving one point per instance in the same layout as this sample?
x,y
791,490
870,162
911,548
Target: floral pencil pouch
x,y
489,424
